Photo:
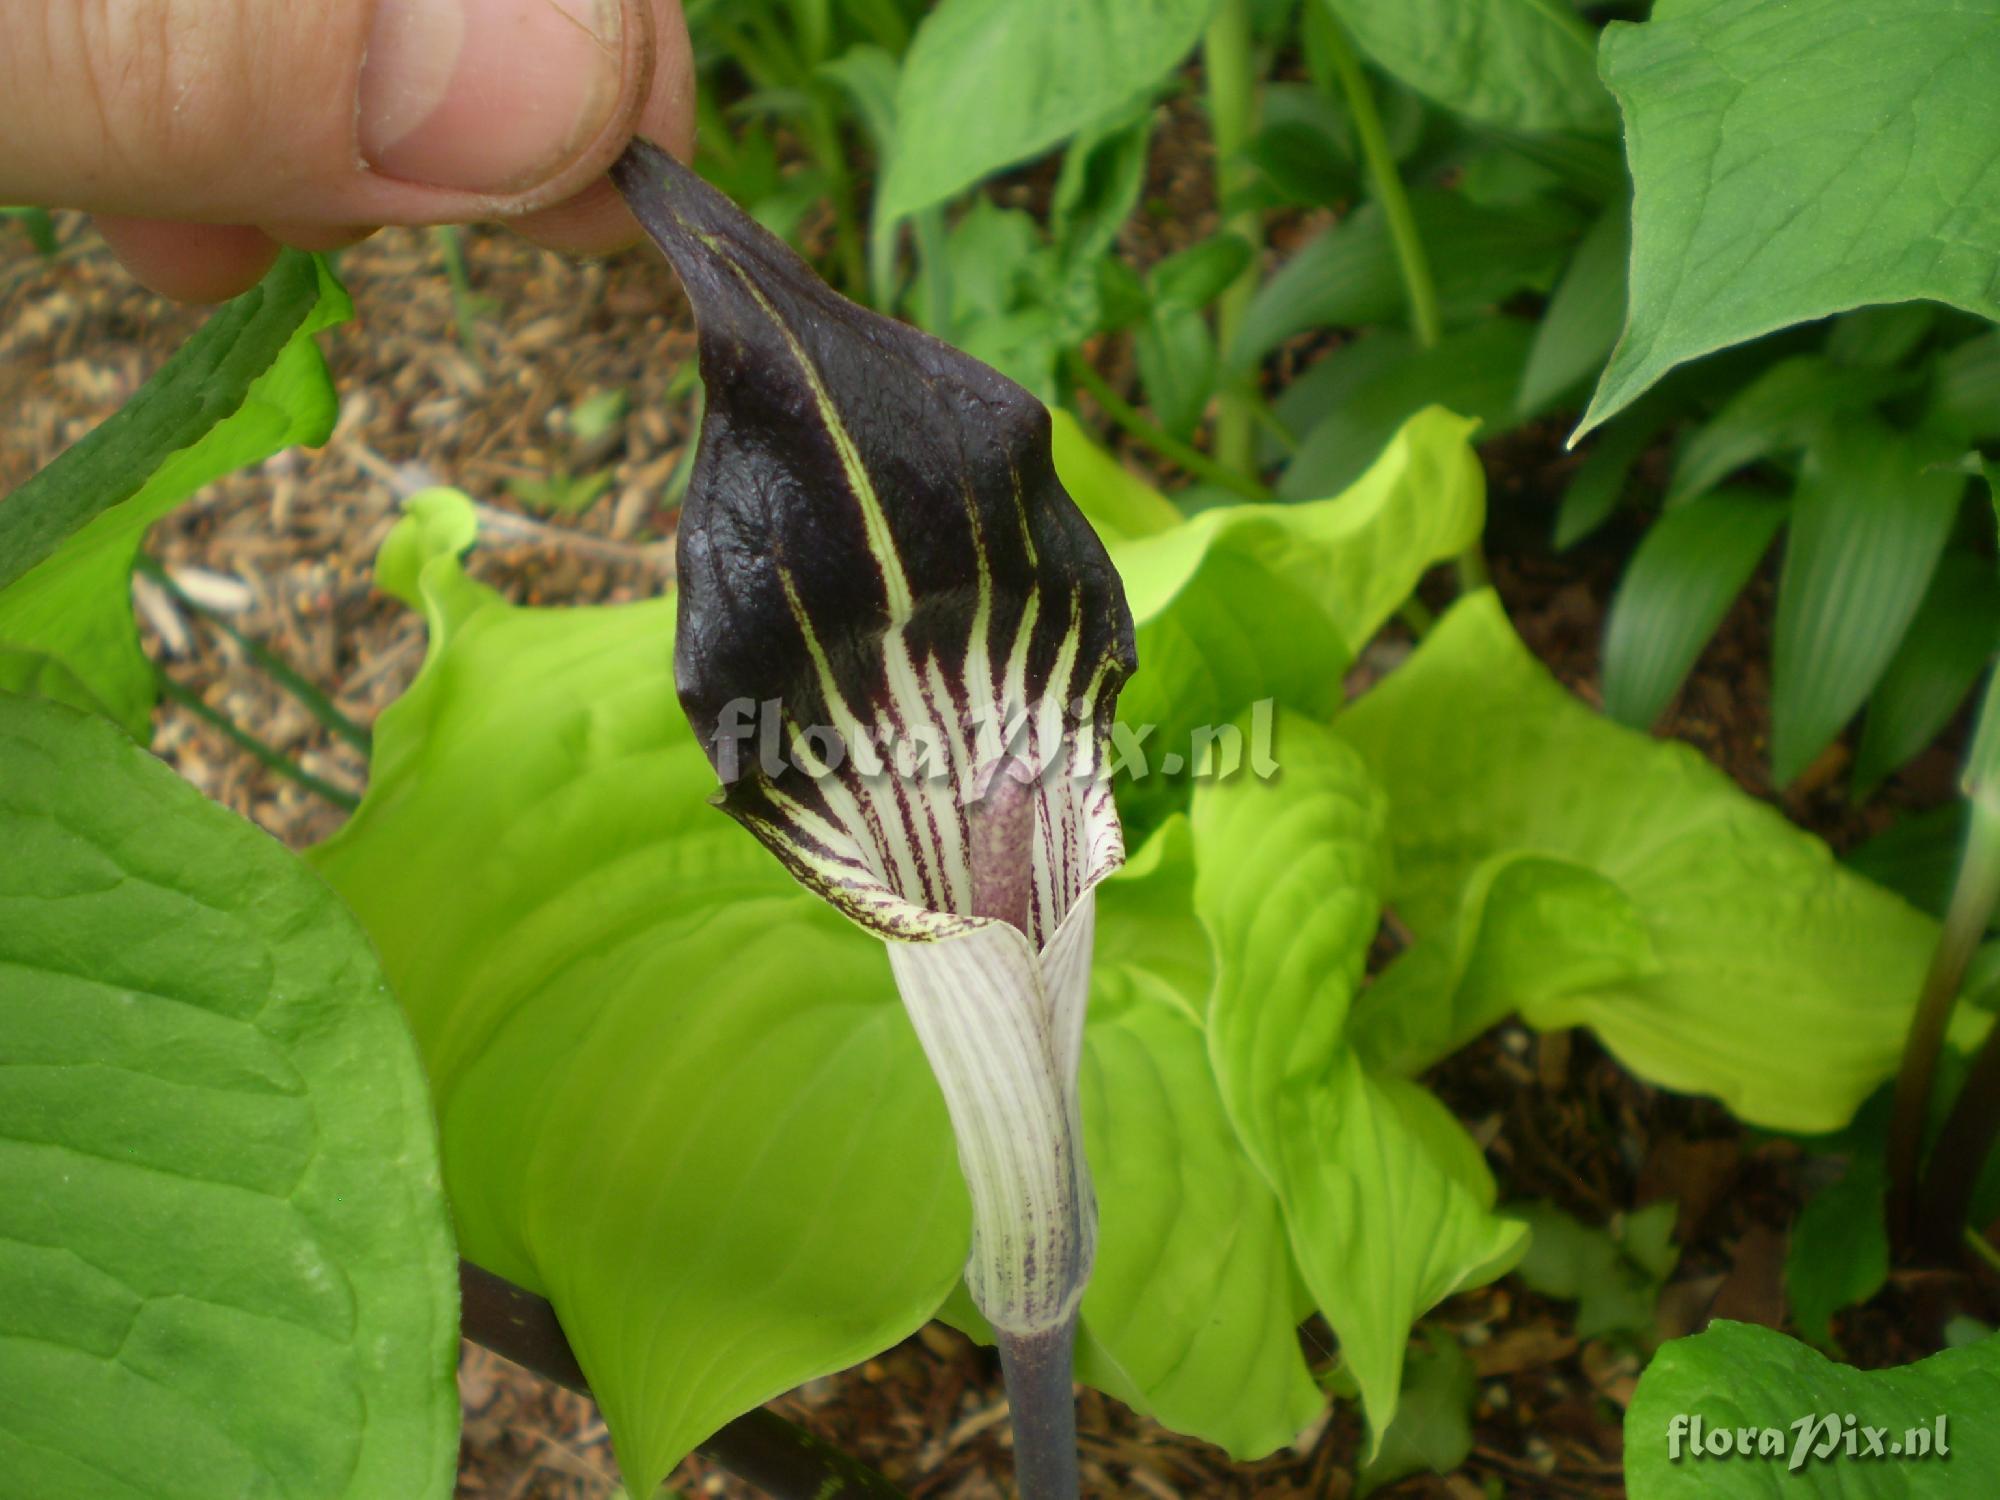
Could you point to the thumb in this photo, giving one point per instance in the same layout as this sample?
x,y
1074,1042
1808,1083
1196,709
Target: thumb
x,y
346,112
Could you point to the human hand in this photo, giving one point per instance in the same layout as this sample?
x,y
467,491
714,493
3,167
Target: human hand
x,y
202,134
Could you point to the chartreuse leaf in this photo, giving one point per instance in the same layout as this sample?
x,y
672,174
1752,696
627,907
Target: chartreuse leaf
x,y
1768,975
1869,521
1825,1421
249,383
676,1093
1387,1202
1688,569
1950,641
225,1265
1521,64
980,90
1772,154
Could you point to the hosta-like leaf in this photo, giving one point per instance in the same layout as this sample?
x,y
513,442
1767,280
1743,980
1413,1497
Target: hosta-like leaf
x,y
1869,520
1680,582
1775,154
676,1093
249,383
225,1263
1769,976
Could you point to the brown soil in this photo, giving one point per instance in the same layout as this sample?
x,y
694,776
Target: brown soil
x,y
287,550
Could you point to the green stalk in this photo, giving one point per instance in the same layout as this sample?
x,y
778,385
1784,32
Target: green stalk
x,y
276,760
465,303
1230,71
1160,441
281,671
1411,261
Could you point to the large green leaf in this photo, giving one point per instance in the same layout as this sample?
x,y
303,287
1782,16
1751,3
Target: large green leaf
x,y
1869,521
1756,968
225,1265
1680,582
1796,162
1737,1375
251,382
1521,64
987,83
1387,1201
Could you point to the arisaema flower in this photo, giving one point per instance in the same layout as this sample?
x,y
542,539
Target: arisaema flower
x,y
902,645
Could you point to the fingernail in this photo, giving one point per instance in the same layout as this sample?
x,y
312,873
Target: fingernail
x,y
486,96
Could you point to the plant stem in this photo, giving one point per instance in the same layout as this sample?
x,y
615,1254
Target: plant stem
x,y
1161,442
245,740
1041,1397
1972,902
281,671
464,301
760,1446
1395,202
1230,72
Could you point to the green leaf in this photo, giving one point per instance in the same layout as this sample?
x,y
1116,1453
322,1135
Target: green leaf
x,y
1520,64
1772,155
1475,372
677,1094
1304,148
1196,276
1348,276
1949,643
1965,395
1868,524
1176,357
1781,983
225,1265
1432,1431
1839,1250
249,383
1738,1375
1680,582
1601,479
1116,501
1387,1201
1782,411
983,87
1614,1276
1581,322
1917,856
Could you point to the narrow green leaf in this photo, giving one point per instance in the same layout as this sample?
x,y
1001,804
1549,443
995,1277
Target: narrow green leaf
x,y
249,383
1197,275
1951,640
1176,357
1600,481
1527,65
1965,392
1917,856
1304,149
1779,982
1869,521
1583,316
1776,415
1737,1375
1433,1427
1680,582
1347,276
1772,155
1475,372
984,87
225,1263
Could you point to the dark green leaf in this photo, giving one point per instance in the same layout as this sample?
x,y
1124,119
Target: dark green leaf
x,y
1474,373
1600,480
1176,357
1196,276
1304,149
983,87
1949,643
1916,857
1965,394
37,226
1613,1275
1737,1375
1798,161
225,1264
1869,520
1880,336
1679,584
1775,415
1839,1251
1581,322
1347,276
204,382
1432,1430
